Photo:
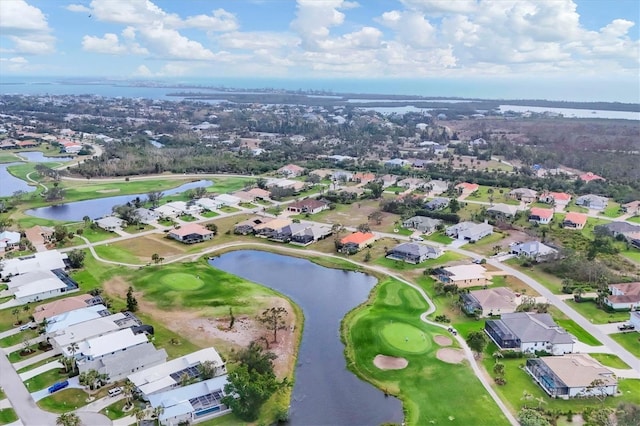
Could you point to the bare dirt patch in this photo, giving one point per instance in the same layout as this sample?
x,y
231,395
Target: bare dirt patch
x,y
107,191
205,330
385,362
450,355
442,340
147,245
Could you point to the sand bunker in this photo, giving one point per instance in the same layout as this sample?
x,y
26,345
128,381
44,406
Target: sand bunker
x,y
106,191
384,362
451,356
442,340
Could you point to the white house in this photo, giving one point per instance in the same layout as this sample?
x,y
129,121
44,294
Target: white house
x,y
190,404
110,223
207,203
592,201
9,239
147,216
69,318
166,376
469,231
226,200
540,215
529,333
502,210
38,285
80,332
624,296
118,354
45,260
570,376
534,250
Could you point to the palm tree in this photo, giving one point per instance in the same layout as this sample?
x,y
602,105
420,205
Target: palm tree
x,y
157,412
498,355
16,312
73,348
128,389
67,362
68,419
140,414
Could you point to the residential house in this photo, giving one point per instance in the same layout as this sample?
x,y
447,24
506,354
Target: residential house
x,y
39,236
534,250
525,195
529,332
632,208
76,316
439,203
248,226
574,220
634,319
78,334
411,183
396,162
60,306
342,176
469,231
284,234
110,223
192,403
389,180
47,260
437,187
624,296
490,302
166,376
191,233
592,201
28,144
467,188
310,234
210,204
420,164
589,176
226,200
8,144
614,229
364,178
560,199
356,241
271,228
571,376
540,215
414,252
258,193
9,240
309,205
291,171
118,354
168,211
439,149
501,210
426,225
39,285
147,216
294,185
463,275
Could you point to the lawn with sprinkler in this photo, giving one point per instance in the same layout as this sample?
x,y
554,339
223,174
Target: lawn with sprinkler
x,y
388,345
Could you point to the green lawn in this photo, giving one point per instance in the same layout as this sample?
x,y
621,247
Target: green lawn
x,y
485,245
579,332
14,339
7,416
429,388
590,311
64,400
228,209
8,157
551,282
209,213
635,219
16,357
188,218
116,253
116,410
39,363
135,229
630,341
610,360
571,207
46,379
632,254
482,194
612,210
439,237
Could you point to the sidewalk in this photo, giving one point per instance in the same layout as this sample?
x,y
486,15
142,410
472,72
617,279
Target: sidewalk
x,y
35,359
21,345
9,332
39,370
101,404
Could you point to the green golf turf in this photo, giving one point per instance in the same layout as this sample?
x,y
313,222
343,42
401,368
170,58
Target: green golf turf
x,y
405,337
182,281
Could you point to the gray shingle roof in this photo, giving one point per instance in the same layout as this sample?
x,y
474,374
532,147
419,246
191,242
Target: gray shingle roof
x,y
535,328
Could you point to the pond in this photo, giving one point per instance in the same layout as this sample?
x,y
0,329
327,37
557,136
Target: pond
x,y
325,391
99,207
39,157
10,184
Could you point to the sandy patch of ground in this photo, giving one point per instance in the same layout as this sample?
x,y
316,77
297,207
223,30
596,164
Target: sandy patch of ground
x,y
106,191
442,340
203,330
450,355
384,362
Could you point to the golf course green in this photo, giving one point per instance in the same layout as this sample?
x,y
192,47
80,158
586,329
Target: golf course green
x,y
431,390
182,281
405,337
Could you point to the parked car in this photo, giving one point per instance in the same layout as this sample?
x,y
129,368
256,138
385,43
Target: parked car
x,y
25,326
115,391
57,386
625,327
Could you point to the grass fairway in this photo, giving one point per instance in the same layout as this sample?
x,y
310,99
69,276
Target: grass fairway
x,y
405,337
181,281
429,388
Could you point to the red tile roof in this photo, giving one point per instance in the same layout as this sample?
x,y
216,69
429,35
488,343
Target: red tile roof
x,y
466,186
560,196
588,177
574,217
541,212
357,238
191,228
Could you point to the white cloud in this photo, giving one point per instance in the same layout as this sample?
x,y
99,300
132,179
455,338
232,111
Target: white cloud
x,y
110,44
169,43
315,18
219,20
411,28
26,26
251,40
14,64
78,8
143,71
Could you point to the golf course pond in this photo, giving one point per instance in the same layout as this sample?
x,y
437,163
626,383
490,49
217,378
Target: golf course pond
x,y
325,391
98,207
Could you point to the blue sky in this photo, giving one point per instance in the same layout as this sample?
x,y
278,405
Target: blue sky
x,y
569,44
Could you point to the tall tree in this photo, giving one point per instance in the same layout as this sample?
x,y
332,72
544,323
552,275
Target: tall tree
x,y
68,419
477,341
274,319
76,258
132,302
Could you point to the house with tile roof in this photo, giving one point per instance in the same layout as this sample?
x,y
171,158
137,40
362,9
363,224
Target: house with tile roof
x,y
557,198
489,302
309,205
540,215
574,220
290,170
590,176
502,210
463,275
523,194
467,188
191,233
624,296
356,242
